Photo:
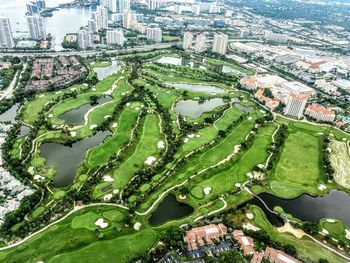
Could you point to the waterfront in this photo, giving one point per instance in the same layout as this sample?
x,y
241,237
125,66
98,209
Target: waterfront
x,y
63,21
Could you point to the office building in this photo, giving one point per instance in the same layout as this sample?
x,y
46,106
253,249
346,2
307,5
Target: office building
x,y
295,106
35,7
244,33
123,5
6,40
187,40
154,33
320,113
220,43
85,39
36,27
200,44
115,37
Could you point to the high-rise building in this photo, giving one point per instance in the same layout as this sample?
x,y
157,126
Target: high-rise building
x,y
244,33
154,33
6,40
187,41
128,18
40,4
153,4
220,43
85,39
196,9
36,27
32,9
101,17
295,105
200,44
115,37
111,5
123,5
92,24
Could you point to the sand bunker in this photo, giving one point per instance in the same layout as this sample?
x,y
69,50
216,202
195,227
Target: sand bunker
x,y
249,226
161,145
250,216
207,190
107,178
114,125
347,234
322,187
107,197
137,226
150,160
101,223
93,126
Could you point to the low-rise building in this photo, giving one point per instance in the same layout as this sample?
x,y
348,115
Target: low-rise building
x,y
277,256
199,236
320,113
246,243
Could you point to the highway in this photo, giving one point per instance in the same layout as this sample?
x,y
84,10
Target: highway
x,y
88,52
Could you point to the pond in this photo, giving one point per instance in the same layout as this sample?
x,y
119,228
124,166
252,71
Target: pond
x,y
170,60
76,116
243,108
24,130
10,114
104,72
335,205
226,69
194,108
197,87
170,209
66,159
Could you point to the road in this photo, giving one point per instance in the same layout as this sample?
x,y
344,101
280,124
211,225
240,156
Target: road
x,y
8,92
88,52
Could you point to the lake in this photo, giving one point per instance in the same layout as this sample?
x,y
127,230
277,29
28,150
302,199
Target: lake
x,y
104,72
197,87
194,108
10,114
67,159
170,209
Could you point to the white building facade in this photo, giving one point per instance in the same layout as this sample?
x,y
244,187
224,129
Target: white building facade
x,y
6,40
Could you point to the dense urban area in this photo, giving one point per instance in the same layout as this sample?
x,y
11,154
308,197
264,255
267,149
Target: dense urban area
x,y
175,131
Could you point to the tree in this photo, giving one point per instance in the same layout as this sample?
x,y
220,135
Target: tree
x,y
231,256
311,228
290,250
322,260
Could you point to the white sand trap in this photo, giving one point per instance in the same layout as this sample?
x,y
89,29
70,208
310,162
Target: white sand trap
x,y
92,63
38,178
182,197
238,185
320,133
93,126
137,226
107,116
50,115
40,262
191,136
101,223
31,170
72,89
115,191
250,118
250,216
347,234
322,187
331,134
324,232
73,134
86,85
107,178
198,136
128,104
236,148
150,160
249,226
161,144
330,220
262,111
93,89
344,139
186,140
114,125
58,92
123,93
42,95
107,197
137,108
207,190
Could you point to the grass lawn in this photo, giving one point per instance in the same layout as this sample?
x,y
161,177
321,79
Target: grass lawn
x,y
146,146
299,166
